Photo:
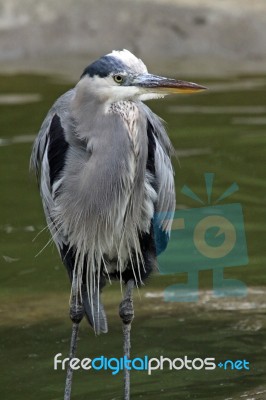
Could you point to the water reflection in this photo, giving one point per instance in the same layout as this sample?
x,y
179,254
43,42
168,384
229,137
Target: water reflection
x,y
18,98
211,134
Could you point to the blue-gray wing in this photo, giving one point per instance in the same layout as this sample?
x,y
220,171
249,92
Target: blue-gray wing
x,y
164,182
48,159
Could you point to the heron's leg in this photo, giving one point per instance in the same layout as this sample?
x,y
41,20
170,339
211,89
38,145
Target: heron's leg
x,y
76,315
126,312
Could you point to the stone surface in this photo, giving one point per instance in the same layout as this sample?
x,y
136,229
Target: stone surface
x,y
189,36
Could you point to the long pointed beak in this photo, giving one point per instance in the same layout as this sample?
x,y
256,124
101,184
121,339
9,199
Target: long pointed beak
x,y
162,85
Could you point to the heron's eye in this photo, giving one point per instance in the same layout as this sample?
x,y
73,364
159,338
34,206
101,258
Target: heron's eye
x,y
118,78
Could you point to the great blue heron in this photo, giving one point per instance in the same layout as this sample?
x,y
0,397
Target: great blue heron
x,y
102,159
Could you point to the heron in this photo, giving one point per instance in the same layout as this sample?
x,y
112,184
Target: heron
x,y
103,164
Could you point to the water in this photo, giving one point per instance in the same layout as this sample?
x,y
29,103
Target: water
x,y
221,131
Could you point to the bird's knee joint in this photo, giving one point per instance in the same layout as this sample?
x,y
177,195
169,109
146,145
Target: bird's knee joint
x,y
126,311
76,313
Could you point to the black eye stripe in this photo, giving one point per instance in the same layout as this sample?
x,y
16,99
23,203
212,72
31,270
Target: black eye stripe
x,y
104,66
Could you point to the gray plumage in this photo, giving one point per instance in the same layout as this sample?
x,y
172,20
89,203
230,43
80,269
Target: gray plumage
x,y
102,159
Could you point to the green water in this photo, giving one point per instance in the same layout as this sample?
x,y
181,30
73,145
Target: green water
x,y
221,131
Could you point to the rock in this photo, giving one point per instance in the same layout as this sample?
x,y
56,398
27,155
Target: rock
x,y
196,37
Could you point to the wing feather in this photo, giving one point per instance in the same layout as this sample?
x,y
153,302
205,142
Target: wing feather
x,y
164,182
48,159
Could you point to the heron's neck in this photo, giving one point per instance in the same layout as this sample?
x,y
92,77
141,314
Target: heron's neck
x,y
86,112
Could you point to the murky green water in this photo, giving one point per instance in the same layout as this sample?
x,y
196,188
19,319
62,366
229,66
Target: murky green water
x,y
221,131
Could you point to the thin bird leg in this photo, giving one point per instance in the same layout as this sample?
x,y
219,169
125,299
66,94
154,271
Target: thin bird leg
x,y
126,312
76,315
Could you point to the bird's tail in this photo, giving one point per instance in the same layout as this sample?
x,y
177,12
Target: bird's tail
x,y
94,311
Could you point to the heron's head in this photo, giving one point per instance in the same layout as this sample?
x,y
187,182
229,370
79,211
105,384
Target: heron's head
x,y
122,76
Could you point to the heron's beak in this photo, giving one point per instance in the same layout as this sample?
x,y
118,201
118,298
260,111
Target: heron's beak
x,y
164,86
